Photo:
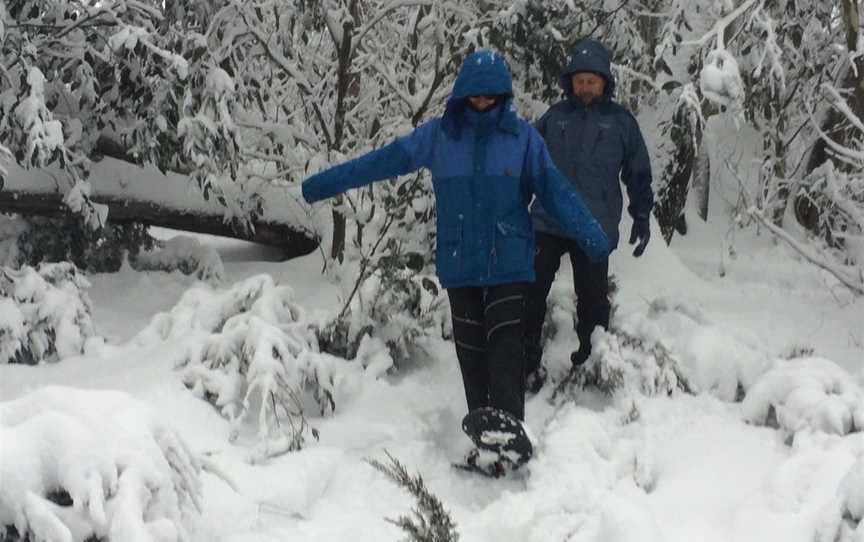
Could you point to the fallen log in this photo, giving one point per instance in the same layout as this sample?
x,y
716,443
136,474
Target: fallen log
x,y
145,195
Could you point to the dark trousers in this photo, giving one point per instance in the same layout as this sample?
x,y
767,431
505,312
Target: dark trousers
x,y
591,283
489,330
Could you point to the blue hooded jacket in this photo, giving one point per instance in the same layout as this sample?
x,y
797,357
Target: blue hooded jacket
x,y
594,146
485,168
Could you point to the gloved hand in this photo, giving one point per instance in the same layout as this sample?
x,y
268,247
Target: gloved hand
x,y
641,232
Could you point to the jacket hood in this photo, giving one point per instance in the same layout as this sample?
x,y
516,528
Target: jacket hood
x,y
483,72
588,56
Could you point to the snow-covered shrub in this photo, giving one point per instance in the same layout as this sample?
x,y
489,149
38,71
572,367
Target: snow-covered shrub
x,y
45,313
69,240
185,254
255,357
806,394
396,305
622,361
674,346
713,358
93,466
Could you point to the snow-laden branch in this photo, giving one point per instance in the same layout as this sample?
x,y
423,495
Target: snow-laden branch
x,y
386,10
840,104
280,60
645,78
7,157
816,256
772,50
852,279
386,74
333,20
834,191
834,187
720,26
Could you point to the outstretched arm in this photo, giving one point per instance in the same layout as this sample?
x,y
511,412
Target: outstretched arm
x,y
402,156
560,198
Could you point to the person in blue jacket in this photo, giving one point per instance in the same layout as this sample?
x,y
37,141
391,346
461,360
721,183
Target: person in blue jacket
x,y
486,164
597,144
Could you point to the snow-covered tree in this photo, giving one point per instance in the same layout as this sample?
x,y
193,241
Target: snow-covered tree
x,y
141,81
253,353
45,313
75,71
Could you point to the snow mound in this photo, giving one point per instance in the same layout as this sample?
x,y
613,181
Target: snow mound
x,y
851,494
808,393
583,483
713,358
82,465
45,314
672,347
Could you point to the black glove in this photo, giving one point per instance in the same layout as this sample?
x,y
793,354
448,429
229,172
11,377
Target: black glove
x,y
641,232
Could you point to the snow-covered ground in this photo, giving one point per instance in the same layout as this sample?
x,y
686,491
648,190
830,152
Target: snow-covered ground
x,y
687,467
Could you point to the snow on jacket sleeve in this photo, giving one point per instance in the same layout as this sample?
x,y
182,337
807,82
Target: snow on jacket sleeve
x,y
402,156
560,198
636,174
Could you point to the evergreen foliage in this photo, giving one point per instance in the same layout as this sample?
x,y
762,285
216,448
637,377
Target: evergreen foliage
x,y
256,360
46,313
69,240
184,254
429,520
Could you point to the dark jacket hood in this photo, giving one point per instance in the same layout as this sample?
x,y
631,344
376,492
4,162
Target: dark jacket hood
x,y
588,56
483,72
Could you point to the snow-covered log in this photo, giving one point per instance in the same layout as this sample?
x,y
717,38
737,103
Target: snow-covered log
x,y
171,200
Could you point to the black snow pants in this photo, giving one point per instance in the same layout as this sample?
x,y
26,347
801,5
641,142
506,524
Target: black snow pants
x,y
489,329
591,284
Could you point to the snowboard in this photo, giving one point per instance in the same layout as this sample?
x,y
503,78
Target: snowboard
x,y
501,441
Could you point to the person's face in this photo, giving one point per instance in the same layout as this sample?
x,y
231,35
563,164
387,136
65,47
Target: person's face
x,y
481,103
587,86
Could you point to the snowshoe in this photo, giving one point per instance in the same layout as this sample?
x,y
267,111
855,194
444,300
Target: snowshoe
x,y
496,431
484,462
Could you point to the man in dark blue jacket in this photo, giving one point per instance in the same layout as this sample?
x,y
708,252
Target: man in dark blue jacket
x,y
597,144
486,165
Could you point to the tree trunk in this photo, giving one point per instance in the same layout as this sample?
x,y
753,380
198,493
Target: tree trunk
x,y
347,85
